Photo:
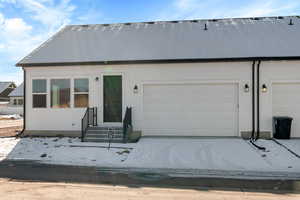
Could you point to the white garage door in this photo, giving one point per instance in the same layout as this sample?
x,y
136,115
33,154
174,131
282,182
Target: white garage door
x,y
190,109
286,102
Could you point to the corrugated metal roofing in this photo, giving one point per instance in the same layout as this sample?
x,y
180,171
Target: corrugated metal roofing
x,y
18,92
174,40
4,85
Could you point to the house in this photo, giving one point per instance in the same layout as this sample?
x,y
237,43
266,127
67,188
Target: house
x,y
218,78
15,102
5,89
16,96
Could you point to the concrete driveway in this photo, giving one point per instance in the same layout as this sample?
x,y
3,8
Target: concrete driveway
x,y
217,157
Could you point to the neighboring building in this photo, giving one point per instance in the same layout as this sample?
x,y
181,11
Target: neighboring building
x,y
5,89
16,96
15,103
181,78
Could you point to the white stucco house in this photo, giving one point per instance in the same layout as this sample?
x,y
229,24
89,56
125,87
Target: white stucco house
x,y
220,78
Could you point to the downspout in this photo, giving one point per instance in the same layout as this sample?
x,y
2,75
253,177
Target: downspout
x,y
258,100
253,137
24,104
253,100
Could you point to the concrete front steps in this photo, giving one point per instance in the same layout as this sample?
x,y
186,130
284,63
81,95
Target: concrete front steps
x,y
104,134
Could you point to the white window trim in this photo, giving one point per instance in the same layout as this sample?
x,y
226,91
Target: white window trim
x,y
20,102
75,93
39,93
71,86
72,91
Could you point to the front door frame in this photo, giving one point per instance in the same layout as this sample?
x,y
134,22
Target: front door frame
x,y
101,99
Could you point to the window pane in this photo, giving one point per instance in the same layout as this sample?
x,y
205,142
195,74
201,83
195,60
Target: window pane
x,y
60,93
20,101
39,100
39,86
81,85
81,100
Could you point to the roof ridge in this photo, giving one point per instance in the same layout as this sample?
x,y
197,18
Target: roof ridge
x,y
191,20
18,91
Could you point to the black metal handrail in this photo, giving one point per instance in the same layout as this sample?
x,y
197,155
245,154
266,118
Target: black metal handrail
x,y
89,119
127,122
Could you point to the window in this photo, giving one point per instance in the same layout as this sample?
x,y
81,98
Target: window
x,y
15,101
39,93
20,101
81,93
60,93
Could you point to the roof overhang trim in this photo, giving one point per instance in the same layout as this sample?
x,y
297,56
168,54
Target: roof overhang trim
x,y
242,59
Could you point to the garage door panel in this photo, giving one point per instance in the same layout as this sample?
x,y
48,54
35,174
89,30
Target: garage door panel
x,y
195,109
160,124
190,132
191,108
286,102
196,119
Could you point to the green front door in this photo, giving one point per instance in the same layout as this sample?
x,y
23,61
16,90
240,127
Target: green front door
x,y
112,98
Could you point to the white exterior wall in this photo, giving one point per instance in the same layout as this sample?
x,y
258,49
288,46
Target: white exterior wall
x,y
276,73
138,74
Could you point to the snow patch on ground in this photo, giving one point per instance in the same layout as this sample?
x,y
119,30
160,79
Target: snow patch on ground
x,y
60,151
293,145
14,116
278,157
6,146
162,153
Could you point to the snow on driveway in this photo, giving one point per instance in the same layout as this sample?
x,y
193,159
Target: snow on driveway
x,y
293,145
176,153
60,151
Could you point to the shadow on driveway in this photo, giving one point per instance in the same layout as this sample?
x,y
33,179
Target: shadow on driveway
x,y
34,171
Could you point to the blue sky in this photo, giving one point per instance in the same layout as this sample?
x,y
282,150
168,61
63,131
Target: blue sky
x,y
24,24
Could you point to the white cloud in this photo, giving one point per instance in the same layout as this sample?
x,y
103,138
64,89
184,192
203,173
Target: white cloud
x,y
49,14
186,4
20,36
15,36
15,27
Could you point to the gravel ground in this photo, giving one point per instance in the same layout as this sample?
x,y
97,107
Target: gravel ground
x,y
10,127
10,131
52,191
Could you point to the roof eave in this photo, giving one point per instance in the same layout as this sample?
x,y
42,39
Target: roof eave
x,y
159,61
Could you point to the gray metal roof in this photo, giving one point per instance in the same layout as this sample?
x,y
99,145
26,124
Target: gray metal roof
x,y
4,85
174,40
18,92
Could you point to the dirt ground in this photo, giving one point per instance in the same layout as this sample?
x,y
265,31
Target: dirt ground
x,y
10,127
53,191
